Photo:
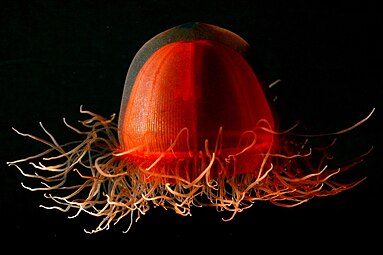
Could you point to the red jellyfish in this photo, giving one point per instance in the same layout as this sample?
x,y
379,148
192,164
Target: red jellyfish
x,y
195,129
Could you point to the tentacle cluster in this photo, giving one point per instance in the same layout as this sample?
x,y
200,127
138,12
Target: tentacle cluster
x,y
90,176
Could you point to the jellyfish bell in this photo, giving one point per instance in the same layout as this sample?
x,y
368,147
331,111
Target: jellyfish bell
x,y
194,95
195,128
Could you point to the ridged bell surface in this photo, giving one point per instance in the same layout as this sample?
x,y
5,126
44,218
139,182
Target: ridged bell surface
x,y
191,98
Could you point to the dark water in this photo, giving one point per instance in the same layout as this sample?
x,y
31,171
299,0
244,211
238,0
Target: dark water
x,y
56,57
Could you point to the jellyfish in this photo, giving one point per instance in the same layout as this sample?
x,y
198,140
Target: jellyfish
x,y
196,128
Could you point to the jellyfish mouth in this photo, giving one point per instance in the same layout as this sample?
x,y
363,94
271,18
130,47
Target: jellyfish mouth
x,y
94,175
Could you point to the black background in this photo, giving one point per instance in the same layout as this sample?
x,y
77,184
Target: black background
x,y
58,55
